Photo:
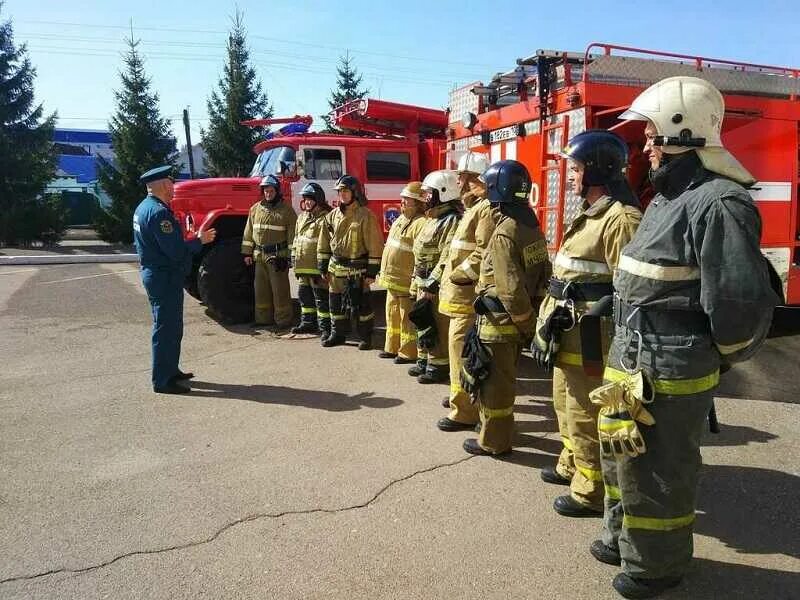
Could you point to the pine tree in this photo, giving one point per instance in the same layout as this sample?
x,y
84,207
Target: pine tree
x,y
348,82
27,153
141,138
240,97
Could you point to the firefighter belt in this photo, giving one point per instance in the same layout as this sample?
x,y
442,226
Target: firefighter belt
x,y
422,315
592,338
621,406
477,360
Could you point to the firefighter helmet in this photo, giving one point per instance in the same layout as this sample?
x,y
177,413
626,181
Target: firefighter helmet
x,y
473,162
348,182
314,191
443,186
687,113
413,190
271,181
604,156
507,181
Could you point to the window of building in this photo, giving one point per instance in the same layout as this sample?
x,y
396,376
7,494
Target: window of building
x,y
322,163
388,166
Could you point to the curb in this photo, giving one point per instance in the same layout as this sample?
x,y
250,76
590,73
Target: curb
x,y
61,259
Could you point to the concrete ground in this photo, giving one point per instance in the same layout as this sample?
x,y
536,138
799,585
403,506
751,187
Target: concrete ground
x,y
295,471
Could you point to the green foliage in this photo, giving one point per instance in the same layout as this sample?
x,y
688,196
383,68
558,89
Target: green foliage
x,y
142,139
27,153
348,87
227,143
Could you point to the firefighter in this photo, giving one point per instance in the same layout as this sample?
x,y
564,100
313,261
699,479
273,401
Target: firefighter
x,y
349,255
397,268
440,192
582,272
268,235
312,290
693,294
166,260
513,275
462,267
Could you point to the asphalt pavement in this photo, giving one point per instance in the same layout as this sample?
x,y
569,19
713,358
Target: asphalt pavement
x,y
294,471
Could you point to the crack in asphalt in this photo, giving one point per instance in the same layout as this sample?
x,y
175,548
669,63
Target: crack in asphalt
x,y
234,523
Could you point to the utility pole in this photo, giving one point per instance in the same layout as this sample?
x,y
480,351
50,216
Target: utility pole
x,y
189,149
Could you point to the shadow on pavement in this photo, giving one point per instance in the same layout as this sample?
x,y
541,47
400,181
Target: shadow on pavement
x,y
278,394
752,510
737,435
714,580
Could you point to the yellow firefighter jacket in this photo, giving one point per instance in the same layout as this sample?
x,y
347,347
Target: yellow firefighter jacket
x,y
304,249
430,246
269,230
397,263
589,253
350,242
463,263
514,271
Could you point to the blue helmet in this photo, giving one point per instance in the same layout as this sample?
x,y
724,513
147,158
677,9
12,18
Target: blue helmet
x,y
507,181
271,181
314,190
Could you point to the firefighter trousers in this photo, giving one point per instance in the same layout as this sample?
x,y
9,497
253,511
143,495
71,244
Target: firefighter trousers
x,y
436,360
462,409
650,499
401,335
496,398
312,291
347,293
577,424
273,300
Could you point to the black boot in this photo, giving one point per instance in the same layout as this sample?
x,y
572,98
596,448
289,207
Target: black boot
x,y
324,329
605,554
334,339
567,506
550,475
632,587
418,369
305,327
431,376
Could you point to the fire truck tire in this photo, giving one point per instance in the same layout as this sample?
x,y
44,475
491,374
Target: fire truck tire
x,y
225,283
190,285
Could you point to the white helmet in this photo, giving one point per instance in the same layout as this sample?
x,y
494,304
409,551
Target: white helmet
x,y
473,162
445,183
687,113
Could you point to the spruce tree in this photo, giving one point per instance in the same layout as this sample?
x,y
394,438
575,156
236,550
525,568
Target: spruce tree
x,y
348,87
27,153
142,139
240,97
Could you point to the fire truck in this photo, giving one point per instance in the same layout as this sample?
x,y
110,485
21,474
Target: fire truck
x,y
386,144
530,112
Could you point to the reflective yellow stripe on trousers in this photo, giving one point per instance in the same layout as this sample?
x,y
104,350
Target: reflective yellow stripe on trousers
x,y
655,524
672,387
497,413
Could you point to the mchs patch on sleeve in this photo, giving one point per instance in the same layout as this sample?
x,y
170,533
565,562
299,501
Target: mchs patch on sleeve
x,y
166,226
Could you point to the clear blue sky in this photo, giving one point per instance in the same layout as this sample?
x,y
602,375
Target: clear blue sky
x,y
409,51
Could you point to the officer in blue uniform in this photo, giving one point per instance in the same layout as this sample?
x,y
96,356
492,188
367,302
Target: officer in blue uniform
x,y
165,259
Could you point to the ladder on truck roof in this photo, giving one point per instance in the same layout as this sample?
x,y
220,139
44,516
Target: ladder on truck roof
x,y
385,118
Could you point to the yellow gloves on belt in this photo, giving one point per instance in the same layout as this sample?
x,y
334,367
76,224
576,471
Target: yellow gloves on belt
x,y
622,406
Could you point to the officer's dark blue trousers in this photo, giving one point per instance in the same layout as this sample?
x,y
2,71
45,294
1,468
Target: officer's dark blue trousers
x,y
165,292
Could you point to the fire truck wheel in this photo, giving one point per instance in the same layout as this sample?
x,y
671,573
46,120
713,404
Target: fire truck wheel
x,y
225,283
190,284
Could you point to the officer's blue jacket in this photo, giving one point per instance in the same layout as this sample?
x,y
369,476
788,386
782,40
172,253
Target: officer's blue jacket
x,y
159,240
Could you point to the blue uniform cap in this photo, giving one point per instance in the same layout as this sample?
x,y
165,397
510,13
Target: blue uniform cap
x,y
162,172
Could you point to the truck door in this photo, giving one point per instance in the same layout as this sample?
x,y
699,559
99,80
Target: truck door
x,y
320,164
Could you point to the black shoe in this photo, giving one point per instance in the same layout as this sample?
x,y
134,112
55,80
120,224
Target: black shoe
x,y
402,360
365,345
181,376
550,475
567,506
334,340
447,424
306,327
324,335
446,402
172,388
384,354
478,427
428,377
472,446
632,587
416,370
605,554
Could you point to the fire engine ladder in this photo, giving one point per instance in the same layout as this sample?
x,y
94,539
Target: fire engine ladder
x,y
553,176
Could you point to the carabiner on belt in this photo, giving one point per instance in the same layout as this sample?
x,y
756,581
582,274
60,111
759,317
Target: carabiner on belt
x,y
637,365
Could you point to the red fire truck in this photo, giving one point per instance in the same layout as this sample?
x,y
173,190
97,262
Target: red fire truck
x,y
530,112
387,144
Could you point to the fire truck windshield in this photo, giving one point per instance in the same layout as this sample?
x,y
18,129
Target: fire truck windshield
x,y
274,161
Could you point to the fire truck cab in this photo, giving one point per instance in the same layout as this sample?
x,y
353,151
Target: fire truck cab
x,y
530,113
385,145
